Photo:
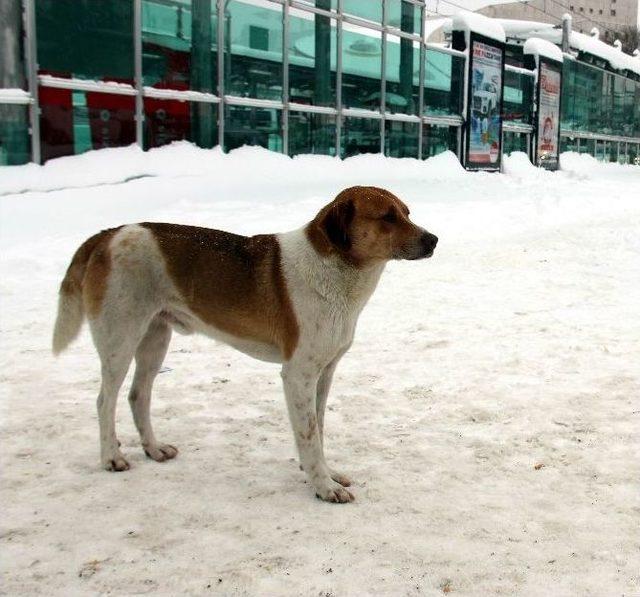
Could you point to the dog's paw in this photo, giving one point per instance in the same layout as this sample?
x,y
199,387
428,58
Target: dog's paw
x,y
160,452
340,478
334,492
116,463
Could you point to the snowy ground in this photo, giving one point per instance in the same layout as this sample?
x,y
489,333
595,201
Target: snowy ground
x,y
489,409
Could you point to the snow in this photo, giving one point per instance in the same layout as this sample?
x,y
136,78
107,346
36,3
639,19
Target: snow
x,y
87,85
578,41
14,96
617,59
469,21
542,47
487,411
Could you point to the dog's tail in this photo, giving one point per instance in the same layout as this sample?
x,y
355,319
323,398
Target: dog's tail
x,y
70,303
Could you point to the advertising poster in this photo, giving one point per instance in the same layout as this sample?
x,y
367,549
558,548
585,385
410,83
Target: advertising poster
x,y
485,118
548,116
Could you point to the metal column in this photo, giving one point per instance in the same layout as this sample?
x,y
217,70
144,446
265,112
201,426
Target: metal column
x,y
137,57
32,78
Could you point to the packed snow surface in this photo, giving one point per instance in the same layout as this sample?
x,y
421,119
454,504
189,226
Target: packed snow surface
x,y
488,411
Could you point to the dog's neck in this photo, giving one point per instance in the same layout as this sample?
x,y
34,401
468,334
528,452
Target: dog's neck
x,y
330,276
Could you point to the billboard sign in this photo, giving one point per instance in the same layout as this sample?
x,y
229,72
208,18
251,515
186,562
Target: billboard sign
x,y
548,126
484,104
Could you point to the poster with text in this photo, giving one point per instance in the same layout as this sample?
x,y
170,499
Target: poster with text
x,y
485,105
548,116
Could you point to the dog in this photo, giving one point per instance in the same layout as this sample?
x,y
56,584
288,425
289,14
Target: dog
x,y
292,298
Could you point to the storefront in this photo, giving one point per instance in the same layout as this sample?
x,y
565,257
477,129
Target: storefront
x,y
333,77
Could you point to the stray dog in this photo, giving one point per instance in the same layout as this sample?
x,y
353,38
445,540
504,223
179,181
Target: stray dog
x,y
292,298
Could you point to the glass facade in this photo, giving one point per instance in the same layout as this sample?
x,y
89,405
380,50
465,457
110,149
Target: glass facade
x,y
15,145
293,76
443,83
598,101
517,103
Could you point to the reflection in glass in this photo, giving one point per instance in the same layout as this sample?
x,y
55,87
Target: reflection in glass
x,y
404,16
401,139
436,139
179,44
361,67
72,122
312,133
83,39
15,147
170,120
517,100
371,10
253,49
512,141
253,126
359,135
312,58
443,83
402,72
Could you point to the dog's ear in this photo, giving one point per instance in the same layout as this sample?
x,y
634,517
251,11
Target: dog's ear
x,y
337,224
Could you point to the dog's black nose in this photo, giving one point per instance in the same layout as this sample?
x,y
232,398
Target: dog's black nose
x,y
429,242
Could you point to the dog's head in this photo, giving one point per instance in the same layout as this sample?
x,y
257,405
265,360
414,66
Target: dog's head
x,y
368,225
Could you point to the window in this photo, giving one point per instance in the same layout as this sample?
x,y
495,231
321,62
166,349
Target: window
x,y
312,58
253,49
571,7
581,9
312,133
401,139
361,67
360,135
436,139
404,16
72,122
170,120
179,49
591,10
600,11
90,40
443,82
15,145
370,10
253,126
613,12
402,70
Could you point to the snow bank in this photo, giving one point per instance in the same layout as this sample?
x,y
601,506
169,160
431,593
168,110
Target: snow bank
x,y
117,165
544,48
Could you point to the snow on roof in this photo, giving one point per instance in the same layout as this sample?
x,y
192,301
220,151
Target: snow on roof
x,y
542,47
432,25
471,21
616,58
578,41
516,28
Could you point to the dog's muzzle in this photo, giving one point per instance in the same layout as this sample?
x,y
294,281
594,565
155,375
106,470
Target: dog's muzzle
x,y
421,248
428,242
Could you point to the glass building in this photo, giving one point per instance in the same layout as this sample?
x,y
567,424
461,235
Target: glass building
x,y
333,77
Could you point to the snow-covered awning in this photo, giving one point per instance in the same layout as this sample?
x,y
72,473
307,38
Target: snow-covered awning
x,y
477,23
542,47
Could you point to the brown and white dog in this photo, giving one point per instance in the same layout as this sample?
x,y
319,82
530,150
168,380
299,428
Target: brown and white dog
x,y
291,298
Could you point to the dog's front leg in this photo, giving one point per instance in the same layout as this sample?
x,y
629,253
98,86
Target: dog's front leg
x,y
300,385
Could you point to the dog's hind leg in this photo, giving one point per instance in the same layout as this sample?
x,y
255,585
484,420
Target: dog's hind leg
x,y
116,334
149,356
115,362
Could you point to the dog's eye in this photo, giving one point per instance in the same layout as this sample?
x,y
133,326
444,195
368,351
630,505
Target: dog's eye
x,y
390,217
